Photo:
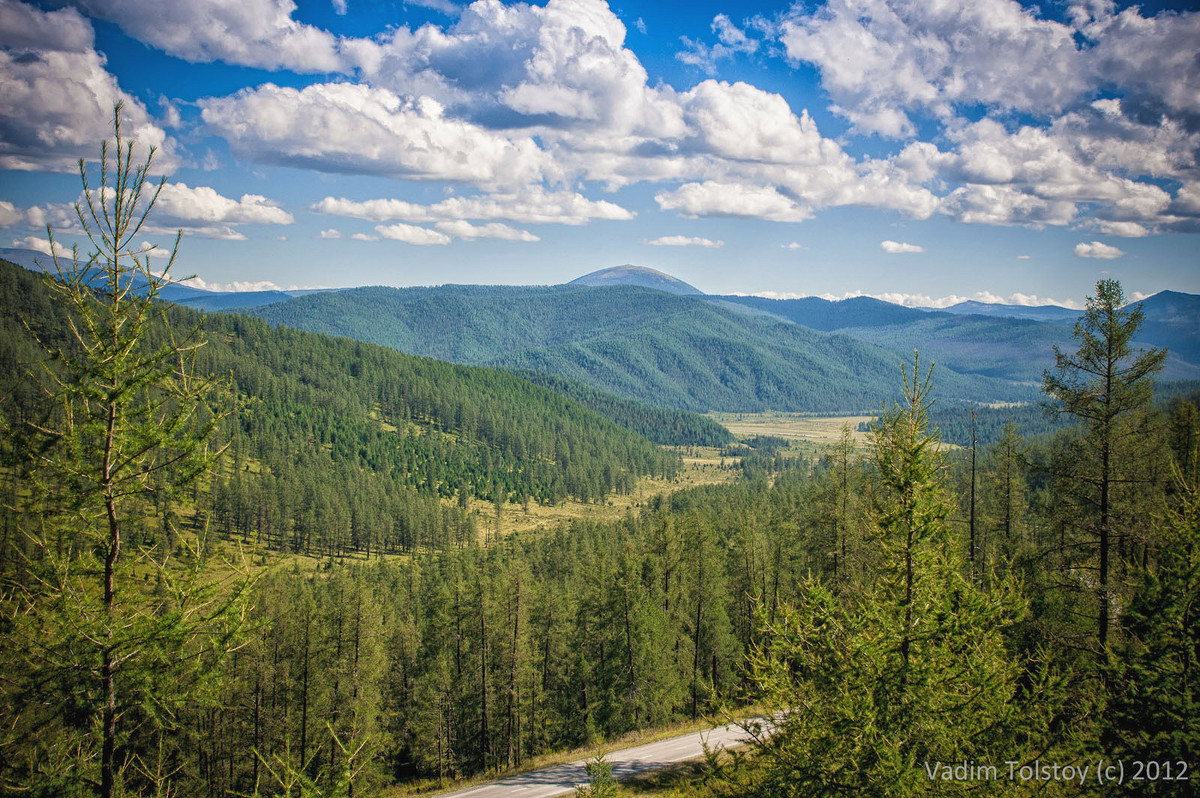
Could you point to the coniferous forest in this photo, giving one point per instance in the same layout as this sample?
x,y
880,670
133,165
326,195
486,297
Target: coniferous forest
x,y
238,560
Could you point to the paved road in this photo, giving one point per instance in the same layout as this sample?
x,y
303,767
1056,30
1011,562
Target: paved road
x,y
562,779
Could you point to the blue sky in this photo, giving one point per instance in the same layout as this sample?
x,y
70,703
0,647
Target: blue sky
x,y
921,152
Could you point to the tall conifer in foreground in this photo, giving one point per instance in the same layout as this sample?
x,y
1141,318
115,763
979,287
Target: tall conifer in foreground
x,y
1154,676
108,637
1105,384
870,691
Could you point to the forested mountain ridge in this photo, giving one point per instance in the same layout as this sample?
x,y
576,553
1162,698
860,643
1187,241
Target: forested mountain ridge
x,y
708,352
703,359
354,446
1173,321
1007,342
472,323
640,344
826,315
1052,313
992,344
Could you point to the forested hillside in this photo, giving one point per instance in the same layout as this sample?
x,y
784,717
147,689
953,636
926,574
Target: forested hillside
x,y
955,423
343,446
1011,349
657,424
647,346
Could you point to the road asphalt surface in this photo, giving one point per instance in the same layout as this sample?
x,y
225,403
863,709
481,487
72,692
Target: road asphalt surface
x,y
563,779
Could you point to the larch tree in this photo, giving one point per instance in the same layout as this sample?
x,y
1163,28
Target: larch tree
x,y
1104,384
1005,498
869,692
1154,673
113,636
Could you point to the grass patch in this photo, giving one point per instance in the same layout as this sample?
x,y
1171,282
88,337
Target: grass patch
x,y
681,780
701,466
799,426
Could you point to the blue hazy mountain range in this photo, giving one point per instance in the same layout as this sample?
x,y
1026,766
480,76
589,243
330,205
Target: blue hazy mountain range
x,y
181,294
1037,312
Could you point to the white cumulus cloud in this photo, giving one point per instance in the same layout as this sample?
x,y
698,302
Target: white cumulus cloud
x,y
57,97
1151,58
470,232
411,234
896,247
562,65
257,33
357,129
509,97
149,250
1123,229
205,205
1056,176
741,122
375,210
731,40
710,198
235,286
28,28
531,205
1097,249
932,57
11,215
1109,103
685,241
41,245
915,300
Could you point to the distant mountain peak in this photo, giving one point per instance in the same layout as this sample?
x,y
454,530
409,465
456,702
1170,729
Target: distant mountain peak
x,y
32,259
1047,313
638,276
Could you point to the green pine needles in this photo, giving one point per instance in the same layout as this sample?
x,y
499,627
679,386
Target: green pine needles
x,y
114,631
868,689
